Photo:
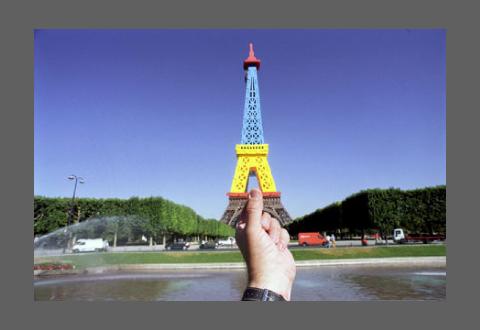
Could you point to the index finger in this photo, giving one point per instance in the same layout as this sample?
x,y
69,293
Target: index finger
x,y
254,209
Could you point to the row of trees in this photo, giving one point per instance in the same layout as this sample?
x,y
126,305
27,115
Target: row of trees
x,y
380,210
125,220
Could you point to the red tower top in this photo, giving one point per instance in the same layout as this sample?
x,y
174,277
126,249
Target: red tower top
x,y
251,60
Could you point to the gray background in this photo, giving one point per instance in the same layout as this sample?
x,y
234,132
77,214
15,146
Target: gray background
x,y
19,18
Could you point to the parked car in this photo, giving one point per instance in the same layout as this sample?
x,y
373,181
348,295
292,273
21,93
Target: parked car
x,y
208,245
306,239
180,245
90,245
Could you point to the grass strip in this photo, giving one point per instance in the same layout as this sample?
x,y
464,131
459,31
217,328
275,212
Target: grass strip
x,y
104,259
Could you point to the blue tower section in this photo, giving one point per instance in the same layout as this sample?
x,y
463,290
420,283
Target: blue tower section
x,y
252,131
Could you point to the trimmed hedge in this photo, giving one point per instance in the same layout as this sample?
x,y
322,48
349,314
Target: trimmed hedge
x,y
380,210
153,217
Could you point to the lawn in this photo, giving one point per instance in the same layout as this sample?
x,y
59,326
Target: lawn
x,y
371,252
102,259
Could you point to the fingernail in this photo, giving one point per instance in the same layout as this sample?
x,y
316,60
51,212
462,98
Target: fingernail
x,y
255,193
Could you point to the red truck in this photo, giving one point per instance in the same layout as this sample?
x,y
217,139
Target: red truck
x,y
399,236
306,239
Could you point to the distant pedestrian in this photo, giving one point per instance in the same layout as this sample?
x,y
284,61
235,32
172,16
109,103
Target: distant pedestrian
x,y
329,242
332,239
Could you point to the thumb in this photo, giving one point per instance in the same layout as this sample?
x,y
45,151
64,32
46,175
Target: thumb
x,y
254,209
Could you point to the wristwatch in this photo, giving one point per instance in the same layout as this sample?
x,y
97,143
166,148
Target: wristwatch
x,y
256,294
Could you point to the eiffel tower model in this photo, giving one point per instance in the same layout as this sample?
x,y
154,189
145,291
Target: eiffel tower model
x,y
252,156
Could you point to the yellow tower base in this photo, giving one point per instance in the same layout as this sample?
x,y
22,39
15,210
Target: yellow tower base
x,y
253,158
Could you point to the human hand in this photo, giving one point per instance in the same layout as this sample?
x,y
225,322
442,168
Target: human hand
x,y
263,243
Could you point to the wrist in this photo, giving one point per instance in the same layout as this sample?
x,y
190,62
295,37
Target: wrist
x,y
282,288
256,294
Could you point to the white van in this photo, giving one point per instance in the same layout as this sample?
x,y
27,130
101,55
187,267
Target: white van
x,y
90,245
229,241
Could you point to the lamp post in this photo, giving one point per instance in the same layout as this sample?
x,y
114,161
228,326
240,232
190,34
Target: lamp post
x,y
77,179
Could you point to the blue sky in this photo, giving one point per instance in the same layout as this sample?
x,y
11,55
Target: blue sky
x,y
158,112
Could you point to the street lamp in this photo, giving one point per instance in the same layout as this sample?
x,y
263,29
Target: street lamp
x,y
78,179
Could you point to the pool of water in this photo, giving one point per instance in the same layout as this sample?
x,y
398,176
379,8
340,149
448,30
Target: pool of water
x,y
332,283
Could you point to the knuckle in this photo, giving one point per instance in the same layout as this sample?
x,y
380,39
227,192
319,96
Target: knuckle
x,y
252,208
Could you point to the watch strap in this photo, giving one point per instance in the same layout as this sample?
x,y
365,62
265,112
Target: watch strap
x,y
256,294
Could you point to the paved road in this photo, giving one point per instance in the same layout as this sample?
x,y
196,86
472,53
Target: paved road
x,y
195,247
